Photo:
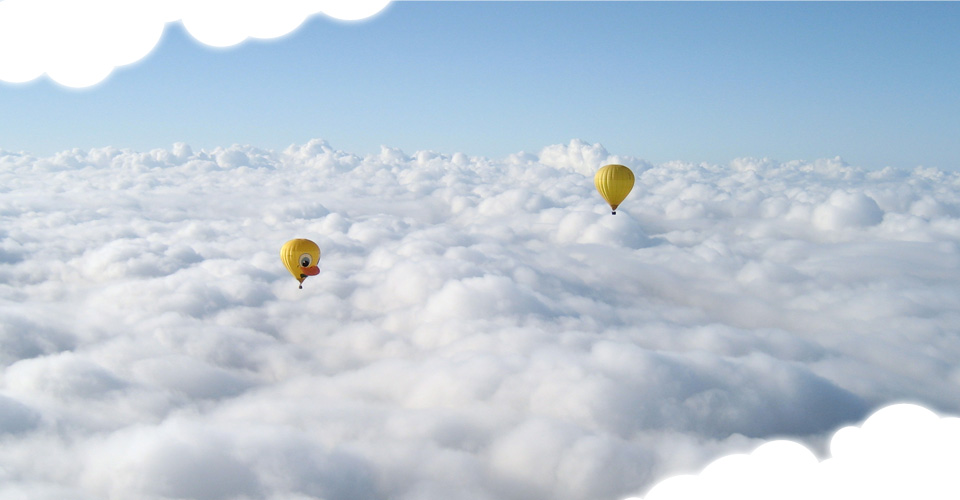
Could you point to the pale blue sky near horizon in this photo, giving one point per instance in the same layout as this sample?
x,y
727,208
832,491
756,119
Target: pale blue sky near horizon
x,y
875,83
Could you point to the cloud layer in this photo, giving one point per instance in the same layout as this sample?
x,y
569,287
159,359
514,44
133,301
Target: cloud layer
x,y
480,328
78,43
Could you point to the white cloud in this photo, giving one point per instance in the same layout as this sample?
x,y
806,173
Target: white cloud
x,y
78,43
480,328
847,210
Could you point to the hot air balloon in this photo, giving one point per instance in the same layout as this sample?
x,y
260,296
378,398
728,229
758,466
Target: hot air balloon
x,y
301,256
614,183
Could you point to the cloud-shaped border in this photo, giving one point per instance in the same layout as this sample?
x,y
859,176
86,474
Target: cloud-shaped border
x,y
78,43
901,451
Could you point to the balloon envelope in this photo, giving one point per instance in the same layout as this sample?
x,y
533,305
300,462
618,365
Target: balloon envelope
x,y
614,182
300,257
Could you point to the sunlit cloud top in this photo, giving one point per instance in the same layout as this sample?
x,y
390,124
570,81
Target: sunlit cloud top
x,y
79,43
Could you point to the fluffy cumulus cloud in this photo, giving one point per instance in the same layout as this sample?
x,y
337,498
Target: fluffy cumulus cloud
x,y
78,43
480,328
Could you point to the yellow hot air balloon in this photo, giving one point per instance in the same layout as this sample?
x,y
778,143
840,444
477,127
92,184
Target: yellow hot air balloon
x,y
614,183
301,256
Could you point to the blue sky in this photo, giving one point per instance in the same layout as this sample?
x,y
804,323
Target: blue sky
x,y
873,82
